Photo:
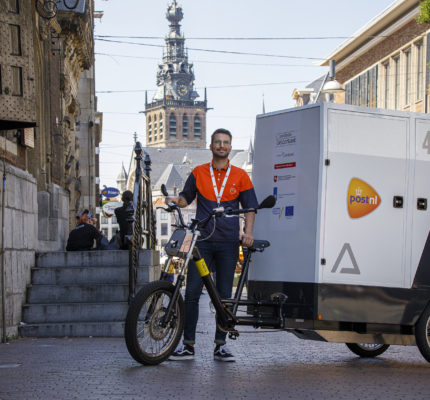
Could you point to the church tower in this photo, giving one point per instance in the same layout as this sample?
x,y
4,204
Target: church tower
x,y
174,118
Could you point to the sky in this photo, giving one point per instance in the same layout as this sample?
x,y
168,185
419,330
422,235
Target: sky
x,y
293,37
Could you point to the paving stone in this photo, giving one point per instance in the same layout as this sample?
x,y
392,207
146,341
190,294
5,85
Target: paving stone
x,y
270,365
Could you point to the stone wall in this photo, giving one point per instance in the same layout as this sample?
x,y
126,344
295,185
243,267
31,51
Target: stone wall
x,y
19,238
53,219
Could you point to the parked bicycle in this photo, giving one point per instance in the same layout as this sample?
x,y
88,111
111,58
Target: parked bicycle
x,y
155,319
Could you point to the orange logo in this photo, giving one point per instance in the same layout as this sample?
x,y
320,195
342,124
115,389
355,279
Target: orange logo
x,y
362,198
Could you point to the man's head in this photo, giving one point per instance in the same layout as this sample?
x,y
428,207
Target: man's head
x,y
221,143
127,196
83,216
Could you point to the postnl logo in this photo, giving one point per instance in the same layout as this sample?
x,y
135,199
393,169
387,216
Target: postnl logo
x,y
362,198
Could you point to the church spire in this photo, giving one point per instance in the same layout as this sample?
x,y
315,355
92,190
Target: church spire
x,y
175,76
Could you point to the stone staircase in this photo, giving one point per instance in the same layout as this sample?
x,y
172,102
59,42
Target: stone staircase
x,y
82,293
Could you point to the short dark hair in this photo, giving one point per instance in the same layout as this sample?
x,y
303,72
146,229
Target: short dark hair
x,y
221,130
127,195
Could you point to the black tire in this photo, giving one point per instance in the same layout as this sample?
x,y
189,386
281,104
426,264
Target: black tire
x,y
422,333
367,350
148,342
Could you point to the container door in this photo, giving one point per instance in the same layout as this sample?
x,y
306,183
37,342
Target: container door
x,y
363,227
420,203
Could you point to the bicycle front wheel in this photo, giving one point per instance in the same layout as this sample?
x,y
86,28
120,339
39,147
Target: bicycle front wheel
x,y
150,339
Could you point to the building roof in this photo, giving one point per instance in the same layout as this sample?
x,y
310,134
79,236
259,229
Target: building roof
x,y
163,160
399,13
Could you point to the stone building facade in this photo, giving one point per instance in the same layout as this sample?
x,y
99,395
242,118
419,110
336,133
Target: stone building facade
x,y
174,118
49,133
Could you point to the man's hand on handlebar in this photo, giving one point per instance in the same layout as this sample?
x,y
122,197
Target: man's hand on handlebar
x,y
247,240
179,200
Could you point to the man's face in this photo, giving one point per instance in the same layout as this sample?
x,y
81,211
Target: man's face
x,y
84,218
221,145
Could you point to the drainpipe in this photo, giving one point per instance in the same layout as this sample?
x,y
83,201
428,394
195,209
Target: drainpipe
x,y
3,281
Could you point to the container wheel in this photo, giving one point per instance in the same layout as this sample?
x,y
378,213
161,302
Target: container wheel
x,y
422,333
367,349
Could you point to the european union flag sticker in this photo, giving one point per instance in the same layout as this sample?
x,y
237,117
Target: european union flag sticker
x,y
289,211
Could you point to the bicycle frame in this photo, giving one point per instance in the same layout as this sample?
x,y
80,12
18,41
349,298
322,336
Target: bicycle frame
x,y
226,319
184,240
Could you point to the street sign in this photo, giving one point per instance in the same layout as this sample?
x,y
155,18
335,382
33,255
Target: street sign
x,y
110,192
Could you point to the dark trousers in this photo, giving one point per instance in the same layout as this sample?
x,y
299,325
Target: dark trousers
x,y
221,258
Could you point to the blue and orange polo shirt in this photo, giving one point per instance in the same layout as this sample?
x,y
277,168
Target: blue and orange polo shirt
x,y
238,190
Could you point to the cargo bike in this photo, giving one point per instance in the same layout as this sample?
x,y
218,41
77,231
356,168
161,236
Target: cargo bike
x,y
349,260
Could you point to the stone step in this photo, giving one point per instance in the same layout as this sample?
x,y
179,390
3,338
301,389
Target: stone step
x,y
95,293
74,312
87,275
73,329
97,259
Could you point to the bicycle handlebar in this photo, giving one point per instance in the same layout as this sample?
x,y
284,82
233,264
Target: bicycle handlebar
x,y
268,202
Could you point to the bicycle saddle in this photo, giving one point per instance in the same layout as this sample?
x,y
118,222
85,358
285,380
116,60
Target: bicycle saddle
x,y
259,245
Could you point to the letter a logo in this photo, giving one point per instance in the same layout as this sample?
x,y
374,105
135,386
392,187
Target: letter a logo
x,y
362,198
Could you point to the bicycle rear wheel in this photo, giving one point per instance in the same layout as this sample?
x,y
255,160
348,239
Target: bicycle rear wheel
x,y
149,340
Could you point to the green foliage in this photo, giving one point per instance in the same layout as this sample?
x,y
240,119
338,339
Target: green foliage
x,y
424,14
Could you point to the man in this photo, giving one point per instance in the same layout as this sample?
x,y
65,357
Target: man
x,y
83,235
122,216
215,184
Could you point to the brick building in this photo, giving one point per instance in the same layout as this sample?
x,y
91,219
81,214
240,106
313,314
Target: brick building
x,y
384,64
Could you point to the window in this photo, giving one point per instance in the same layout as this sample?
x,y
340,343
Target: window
x,y
172,125
114,221
104,220
362,90
105,232
16,81
15,40
155,127
13,6
408,73
160,125
149,128
164,229
386,84
197,126
163,216
184,125
396,82
420,71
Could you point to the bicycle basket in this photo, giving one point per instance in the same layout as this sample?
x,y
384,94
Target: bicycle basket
x,y
179,243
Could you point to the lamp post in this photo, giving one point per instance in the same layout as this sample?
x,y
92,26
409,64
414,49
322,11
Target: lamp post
x,y
332,86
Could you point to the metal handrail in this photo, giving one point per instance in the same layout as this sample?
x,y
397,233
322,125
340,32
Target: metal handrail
x,y
144,217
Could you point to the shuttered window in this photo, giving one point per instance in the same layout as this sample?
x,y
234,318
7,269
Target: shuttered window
x,y
184,125
13,6
172,125
16,81
15,40
197,126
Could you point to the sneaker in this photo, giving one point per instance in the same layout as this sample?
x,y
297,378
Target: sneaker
x,y
221,353
182,352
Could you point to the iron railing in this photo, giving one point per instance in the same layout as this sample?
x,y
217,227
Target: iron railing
x,y
143,219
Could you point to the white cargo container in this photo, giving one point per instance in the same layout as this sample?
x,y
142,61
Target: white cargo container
x,y
349,234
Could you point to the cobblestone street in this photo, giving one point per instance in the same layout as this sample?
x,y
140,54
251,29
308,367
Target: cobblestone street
x,y
270,365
